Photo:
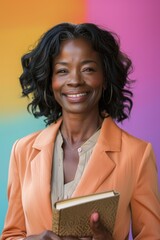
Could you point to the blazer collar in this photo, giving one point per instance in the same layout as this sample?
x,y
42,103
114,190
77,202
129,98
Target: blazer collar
x,y
109,139
47,136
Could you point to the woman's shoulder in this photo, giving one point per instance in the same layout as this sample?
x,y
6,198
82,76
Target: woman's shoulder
x,y
133,138
27,140
134,144
115,132
39,138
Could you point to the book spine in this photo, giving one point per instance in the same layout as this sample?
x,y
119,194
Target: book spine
x,y
55,221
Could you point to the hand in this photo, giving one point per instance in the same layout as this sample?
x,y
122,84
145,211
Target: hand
x,y
46,235
99,231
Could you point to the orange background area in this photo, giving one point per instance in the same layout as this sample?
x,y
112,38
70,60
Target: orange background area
x,y
21,25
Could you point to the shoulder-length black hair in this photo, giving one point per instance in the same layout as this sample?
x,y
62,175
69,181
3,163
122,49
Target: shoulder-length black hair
x,y
37,71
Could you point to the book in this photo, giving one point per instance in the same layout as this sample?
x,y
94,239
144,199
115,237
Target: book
x,y
71,216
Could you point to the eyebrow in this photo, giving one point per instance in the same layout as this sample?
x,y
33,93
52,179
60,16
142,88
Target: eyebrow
x,y
83,62
89,61
62,63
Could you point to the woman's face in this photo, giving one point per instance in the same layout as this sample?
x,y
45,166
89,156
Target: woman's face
x,y
77,79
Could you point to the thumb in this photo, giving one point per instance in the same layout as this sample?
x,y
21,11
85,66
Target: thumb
x,y
99,231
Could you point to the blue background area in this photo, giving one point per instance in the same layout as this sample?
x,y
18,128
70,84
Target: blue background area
x,y
12,129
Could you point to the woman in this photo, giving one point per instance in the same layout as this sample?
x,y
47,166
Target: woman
x,y
79,80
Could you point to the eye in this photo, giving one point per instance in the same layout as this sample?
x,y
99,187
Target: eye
x,y
61,71
88,69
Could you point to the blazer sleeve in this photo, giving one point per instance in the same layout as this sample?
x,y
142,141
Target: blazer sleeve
x,y
14,227
145,203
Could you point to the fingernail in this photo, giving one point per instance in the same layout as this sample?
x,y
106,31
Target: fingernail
x,y
95,217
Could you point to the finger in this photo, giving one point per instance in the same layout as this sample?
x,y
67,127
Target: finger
x,y
95,223
99,231
49,235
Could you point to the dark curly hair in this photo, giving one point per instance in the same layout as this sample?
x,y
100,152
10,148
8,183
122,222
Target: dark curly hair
x,y
37,71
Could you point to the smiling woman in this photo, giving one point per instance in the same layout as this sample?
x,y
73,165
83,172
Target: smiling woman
x,y
38,66
79,80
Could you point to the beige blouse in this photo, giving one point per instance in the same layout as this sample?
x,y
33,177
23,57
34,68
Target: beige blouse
x,y
59,190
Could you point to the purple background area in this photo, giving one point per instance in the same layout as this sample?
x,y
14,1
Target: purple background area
x,y
137,23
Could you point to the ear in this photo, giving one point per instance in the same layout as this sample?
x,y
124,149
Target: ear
x,y
104,84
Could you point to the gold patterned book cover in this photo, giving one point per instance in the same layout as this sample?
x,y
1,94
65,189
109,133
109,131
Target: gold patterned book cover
x,y
71,216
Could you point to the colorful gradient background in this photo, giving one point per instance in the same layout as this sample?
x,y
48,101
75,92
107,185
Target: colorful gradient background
x,y
137,22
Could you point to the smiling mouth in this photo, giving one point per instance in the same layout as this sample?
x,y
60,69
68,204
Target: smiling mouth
x,y
76,95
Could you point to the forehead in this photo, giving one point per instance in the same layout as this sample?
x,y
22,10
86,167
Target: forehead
x,y
77,47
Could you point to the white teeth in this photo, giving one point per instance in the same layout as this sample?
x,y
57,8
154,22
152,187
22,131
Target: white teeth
x,y
77,95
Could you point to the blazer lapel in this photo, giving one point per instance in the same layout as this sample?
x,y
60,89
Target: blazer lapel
x,y
41,167
100,165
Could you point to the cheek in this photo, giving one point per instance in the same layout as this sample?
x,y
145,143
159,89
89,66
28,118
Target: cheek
x,y
97,82
55,85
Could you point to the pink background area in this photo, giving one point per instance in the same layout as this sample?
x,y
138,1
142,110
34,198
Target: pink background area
x,y
137,23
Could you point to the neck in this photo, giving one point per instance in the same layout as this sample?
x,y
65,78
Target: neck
x,y
77,129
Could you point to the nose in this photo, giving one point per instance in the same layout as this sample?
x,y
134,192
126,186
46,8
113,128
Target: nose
x,y
75,79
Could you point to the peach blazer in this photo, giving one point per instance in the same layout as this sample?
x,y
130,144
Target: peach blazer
x,y
119,161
